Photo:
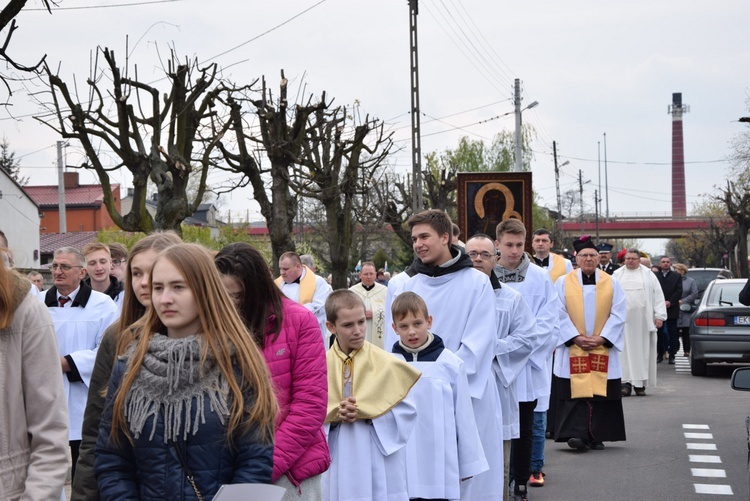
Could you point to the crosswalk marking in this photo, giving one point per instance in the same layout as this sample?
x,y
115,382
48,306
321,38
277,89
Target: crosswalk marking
x,y
708,472
716,489
695,426
699,436
694,458
701,447
713,489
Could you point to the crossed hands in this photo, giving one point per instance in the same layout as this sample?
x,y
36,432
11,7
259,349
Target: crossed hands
x,y
348,410
588,343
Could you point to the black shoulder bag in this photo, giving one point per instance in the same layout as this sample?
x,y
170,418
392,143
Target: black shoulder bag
x,y
188,473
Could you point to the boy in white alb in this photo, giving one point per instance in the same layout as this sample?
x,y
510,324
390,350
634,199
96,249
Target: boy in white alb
x,y
370,417
445,447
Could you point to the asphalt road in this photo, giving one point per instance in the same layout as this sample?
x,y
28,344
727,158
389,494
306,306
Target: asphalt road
x,y
683,416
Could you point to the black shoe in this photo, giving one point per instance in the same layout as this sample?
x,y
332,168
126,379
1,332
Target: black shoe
x,y
626,388
520,494
659,359
597,446
671,361
578,444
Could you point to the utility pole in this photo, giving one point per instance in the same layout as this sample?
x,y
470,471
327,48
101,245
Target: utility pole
x,y
606,180
580,197
557,187
597,200
61,187
416,147
599,163
518,165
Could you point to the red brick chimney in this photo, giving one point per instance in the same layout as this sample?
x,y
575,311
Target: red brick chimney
x,y
679,208
71,180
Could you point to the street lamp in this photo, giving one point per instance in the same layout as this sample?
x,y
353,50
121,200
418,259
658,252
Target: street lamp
x,y
518,167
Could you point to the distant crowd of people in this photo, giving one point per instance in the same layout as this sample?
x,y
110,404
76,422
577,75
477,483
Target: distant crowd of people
x,y
165,371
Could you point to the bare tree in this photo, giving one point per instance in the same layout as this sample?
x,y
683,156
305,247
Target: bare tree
x,y
160,140
736,200
7,15
337,164
282,133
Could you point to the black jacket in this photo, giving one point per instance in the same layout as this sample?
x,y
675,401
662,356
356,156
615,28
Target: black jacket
x,y
671,286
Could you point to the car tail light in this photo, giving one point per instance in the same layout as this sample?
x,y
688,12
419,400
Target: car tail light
x,y
710,319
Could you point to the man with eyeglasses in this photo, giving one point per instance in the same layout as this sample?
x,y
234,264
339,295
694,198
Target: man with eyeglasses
x,y
80,316
587,360
516,332
119,254
515,270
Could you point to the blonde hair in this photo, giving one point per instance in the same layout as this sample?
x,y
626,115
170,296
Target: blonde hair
x,y
95,246
679,267
225,340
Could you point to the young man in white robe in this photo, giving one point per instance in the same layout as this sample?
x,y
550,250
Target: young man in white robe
x,y
645,313
516,330
515,270
81,316
445,447
587,360
460,299
370,414
544,415
300,284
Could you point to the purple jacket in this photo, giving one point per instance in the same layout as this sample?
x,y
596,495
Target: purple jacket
x,y
297,363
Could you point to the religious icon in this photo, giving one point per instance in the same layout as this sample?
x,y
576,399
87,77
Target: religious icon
x,y
485,199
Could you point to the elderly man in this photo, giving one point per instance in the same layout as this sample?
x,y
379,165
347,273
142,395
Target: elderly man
x,y
516,335
587,360
373,296
645,312
81,316
300,284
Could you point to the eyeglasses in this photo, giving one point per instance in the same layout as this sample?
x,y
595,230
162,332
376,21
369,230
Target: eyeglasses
x,y
484,255
587,256
117,262
63,267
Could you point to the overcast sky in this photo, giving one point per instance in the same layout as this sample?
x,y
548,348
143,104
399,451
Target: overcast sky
x,y
595,67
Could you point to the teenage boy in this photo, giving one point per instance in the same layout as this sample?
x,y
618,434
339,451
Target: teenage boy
x,y
369,417
514,269
98,268
445,447
461,301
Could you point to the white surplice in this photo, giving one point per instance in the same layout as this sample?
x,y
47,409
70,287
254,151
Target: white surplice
x,y
317,305
374,300
79,332
515,331
645,303
445,445
460,304
534,383
612,330
368,458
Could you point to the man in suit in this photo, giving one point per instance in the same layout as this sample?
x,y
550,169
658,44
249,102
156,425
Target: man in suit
x,y
671,286
605,258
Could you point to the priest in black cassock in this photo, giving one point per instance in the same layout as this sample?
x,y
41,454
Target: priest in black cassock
x,y
587,360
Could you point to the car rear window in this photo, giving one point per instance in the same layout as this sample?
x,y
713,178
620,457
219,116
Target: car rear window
x,y
725,294
703,277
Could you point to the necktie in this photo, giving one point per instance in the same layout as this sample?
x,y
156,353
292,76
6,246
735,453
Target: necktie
x,y
62,300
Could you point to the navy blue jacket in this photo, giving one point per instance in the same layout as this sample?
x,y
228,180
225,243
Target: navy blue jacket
x,y
151,469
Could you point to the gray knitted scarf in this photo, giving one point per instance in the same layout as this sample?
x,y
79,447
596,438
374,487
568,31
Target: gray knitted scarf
x,y
171,381
518,275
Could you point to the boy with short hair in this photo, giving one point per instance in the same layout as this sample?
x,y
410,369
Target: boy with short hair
x,y
370,417
445,447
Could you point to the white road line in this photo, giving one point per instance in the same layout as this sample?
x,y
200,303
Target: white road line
x,y
704,459
701,447
708,472
713,489
695,426
699,436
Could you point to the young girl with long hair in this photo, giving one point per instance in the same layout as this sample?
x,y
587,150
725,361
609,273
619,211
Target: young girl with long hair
x,y
136,300
288,334
190,406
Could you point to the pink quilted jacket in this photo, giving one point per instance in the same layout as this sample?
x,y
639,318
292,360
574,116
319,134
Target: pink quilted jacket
x,y
297,363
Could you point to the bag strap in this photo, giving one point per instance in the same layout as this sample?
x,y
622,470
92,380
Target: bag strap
x,y
188,473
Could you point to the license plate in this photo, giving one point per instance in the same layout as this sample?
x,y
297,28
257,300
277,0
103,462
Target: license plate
x,y
742,320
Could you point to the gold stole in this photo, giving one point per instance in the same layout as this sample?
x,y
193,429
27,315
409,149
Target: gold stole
x,y
306,286
558,266
379,381
588,369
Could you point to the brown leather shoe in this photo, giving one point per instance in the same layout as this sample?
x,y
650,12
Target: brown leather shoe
x,y
641,392
626,389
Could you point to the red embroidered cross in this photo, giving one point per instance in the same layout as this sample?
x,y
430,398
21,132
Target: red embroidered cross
x,y
580,365
599,363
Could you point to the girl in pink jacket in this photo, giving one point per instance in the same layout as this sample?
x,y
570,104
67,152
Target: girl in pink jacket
x,y
289,338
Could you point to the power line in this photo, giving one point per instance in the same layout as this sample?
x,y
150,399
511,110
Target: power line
x,y
83,7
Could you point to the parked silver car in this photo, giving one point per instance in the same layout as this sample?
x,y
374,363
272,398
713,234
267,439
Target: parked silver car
x,y
720,326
